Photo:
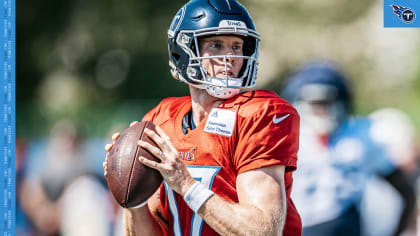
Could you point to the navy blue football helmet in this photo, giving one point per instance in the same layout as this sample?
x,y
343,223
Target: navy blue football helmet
x,y
319,80
203,18
321,93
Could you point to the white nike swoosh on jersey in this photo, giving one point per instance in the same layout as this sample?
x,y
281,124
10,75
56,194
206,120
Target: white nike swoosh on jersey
x,y
278,120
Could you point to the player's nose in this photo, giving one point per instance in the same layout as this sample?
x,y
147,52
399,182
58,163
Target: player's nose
x,y
229,56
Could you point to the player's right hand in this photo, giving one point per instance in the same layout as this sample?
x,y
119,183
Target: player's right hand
x,y
109,146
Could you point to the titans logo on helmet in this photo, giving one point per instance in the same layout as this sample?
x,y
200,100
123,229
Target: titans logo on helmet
x,y
406,15
176,22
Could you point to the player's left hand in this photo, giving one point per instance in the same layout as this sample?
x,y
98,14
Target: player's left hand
x,y
171,167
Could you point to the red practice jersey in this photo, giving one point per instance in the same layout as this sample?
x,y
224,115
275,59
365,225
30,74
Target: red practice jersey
x,y
252,130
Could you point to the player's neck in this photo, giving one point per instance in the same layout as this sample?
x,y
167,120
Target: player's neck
x,y
202,103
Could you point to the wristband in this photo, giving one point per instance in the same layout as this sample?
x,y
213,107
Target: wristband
x,y
197,195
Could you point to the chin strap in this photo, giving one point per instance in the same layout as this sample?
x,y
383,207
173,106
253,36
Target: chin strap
x,y
221,92
219,87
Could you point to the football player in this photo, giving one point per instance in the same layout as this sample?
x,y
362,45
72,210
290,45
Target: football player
x,y
337,154
394,129
226,157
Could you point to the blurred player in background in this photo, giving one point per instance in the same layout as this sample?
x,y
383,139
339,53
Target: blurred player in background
x,y
382,206
58,192
226,157
337,154
395,129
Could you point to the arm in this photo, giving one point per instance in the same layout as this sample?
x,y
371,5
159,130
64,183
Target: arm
x,y
44,213
401,183
261,209
139,221
146,220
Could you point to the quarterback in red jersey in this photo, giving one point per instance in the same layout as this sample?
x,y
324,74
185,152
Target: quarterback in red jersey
x,y
226,157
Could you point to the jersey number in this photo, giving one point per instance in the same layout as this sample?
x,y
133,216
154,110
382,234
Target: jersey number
x,y
204,174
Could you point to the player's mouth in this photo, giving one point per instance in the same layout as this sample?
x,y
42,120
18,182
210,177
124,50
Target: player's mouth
x,y
225,73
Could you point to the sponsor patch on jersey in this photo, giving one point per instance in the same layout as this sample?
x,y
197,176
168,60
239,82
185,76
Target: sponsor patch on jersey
x,y
221,121
176,22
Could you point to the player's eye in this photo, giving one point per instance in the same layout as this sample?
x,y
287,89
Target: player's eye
x,y
237,48
216,45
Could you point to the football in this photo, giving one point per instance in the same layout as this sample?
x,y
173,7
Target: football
x,y
130,182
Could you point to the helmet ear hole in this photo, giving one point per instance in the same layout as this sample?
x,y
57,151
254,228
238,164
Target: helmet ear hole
x,y
175,57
